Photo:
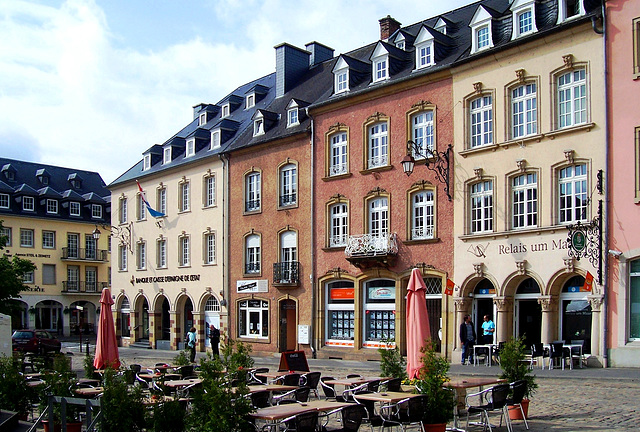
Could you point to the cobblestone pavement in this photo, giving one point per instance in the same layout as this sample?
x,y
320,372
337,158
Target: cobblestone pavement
x,y
587,399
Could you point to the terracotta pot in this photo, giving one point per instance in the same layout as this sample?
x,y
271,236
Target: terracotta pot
x,y
514,411
57,427
437,427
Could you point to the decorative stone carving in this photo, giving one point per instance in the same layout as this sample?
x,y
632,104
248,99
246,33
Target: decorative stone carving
x,y
522,267
377,191
596,302
336,127
422,105
547,303
569,264
477,87
461,304
569,155
183,289
478,270
503,304
375,117
161,291
478,172
520,75
140,291
567,59
521,164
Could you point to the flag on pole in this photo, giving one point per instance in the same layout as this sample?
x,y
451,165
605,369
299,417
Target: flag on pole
x,y
449,288
588,283
152,212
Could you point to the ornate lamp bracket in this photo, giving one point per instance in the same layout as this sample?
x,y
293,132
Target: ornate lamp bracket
x,y
435,161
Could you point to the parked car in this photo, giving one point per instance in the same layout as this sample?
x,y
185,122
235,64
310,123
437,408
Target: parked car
x,y
35,341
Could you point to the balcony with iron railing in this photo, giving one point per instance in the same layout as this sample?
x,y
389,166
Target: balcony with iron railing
x,y
78,254
83,287
367,250
286,274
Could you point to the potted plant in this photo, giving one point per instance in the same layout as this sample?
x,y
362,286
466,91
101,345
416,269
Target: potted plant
x,y
59,382
515,368
122,407
392,364
15,394
432,376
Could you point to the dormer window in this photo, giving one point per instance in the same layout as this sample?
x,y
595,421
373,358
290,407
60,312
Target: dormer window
x,y
52,206
400,45
215,139
28,203
191,147
481,37
226,109
524,21
250,101
342,81
441,26
96,211
424,49
202,120
166,155
10,175
568,9
380,69
258,127
146,165
292,117
74,208
400,41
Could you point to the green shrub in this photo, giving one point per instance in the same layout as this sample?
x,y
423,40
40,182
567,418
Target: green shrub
x,y
392,364
432,377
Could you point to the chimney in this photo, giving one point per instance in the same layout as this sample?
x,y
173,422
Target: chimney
x,y
291,63
319,53
388,26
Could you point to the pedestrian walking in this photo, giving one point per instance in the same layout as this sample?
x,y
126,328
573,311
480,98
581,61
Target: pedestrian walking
x,y
191,344
467,338
488,329
214,338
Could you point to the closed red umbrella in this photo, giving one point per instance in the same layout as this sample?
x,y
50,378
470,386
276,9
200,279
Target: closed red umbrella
x,y
418,329
106,345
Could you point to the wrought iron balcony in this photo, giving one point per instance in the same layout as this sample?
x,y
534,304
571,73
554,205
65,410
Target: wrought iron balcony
x,y
253,267
368,250
288,200
286,273
252,205
84,254
83,287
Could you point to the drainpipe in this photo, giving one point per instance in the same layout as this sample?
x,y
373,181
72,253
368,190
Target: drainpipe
x,y
605,315
313,261
225,246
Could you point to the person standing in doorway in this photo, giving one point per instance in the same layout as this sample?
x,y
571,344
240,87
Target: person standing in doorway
x,y
467,338
488,329
191,344
214,338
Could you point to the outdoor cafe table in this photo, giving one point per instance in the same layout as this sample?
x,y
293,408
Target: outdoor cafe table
x,y
271,388
385,397
273,375
349,382
150,376
182,382
279,412
89,392
460,385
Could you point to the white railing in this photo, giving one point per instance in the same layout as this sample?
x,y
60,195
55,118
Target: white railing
x,y
371,245
422,233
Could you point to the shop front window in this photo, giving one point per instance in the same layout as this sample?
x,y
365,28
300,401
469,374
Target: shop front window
x,y
379,312
253,318
576,313
340,313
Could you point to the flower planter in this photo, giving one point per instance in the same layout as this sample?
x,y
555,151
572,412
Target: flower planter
x,y
57,427
516,414
438,427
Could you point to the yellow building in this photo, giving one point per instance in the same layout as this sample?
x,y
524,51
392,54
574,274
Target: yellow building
x,y
49,216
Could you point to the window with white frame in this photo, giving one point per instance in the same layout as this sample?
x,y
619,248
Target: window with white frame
x,y
210,191
524,196
48,239
161,200
210,248
258,127
73,245
183,253
524,111
6,234
339,225
481,206
250,101
341,81
288,257
252,192
122,258
28,203
184,192
91,279
122,213
634,300
378,151
379,311
142,208
253,318
141,255
422,215
525,22
292,117
572,98
422,133
481,121
4,200
202,119
482,37
424,56
252,254
96,211
226,109
215,139
191,147
73,278
569,9
378,217
74,208
400,44
52,206
161,255
340,312
288,185
26,237
572,193
28,277
380,69
146,162
338,155
166,155
90,247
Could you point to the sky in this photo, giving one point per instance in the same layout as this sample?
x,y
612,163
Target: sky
x,y
92,84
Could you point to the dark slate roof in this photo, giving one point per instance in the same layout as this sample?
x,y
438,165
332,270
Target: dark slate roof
x,y
28,182
232,126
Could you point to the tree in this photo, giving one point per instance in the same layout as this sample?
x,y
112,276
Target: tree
x,y
11,273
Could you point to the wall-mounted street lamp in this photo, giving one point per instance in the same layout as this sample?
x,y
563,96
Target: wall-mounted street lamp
x,y
436,161
121,233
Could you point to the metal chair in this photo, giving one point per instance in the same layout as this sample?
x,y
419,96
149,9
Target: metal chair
x,y
373,385
300,394
354,376
311,380
405,413
537,352
577,351
328,389
481,351
393,384
303,422
518,390
292,379
261,399
370,417
497,402
253,378
352,417
557,351
347,394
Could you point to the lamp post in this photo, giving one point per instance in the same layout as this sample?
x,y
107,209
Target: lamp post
x,y
436,161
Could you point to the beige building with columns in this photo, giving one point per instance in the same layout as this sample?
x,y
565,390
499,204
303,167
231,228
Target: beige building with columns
x,y
529,146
